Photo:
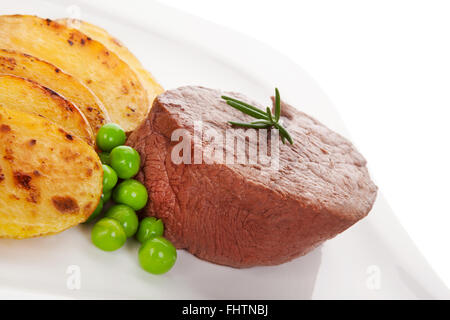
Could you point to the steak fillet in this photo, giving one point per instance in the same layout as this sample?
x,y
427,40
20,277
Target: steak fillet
x,y
244,215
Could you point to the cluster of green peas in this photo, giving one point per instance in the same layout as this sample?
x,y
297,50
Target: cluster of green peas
x,y
157,255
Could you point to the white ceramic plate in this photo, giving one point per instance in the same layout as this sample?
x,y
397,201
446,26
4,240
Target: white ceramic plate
x,y
375,259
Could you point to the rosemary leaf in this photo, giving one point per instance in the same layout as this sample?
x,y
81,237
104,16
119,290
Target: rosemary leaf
x,y
277,105
249,125
246,110
244,104
269,113
266,122
284,133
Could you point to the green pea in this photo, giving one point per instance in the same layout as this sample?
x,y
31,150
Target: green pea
x,y
106,195
108,235
109,178
148,228
104,157
132,193
110,136
157,255
96,212
126,217
125,161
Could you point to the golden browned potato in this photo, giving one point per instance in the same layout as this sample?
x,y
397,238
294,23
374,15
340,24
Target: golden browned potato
x,y
49,180
28,96
47,75
97,33
100,69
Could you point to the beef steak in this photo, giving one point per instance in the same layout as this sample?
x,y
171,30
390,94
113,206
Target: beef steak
x,y
243,215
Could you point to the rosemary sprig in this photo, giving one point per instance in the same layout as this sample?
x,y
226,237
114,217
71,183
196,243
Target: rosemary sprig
x,y
266,119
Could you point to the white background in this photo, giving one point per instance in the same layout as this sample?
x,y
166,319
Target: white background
x,y
386,67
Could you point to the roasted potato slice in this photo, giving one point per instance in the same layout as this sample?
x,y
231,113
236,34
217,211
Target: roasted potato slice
x,y
48,181
48,75
100,69
97,33
28,96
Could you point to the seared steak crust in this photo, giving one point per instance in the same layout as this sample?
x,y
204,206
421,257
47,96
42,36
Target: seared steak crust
x,y
246,215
